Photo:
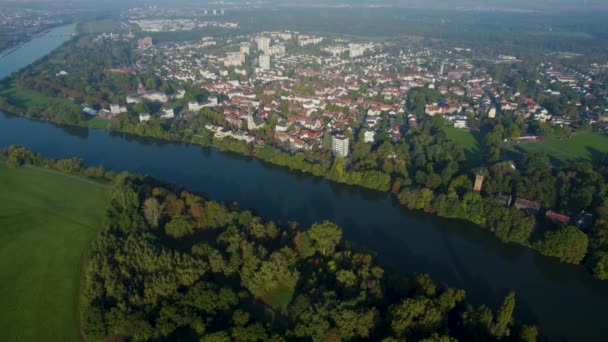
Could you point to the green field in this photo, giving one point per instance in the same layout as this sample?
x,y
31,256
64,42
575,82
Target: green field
x,y
586,146
100,26
32,100
468,141
97,122
47,220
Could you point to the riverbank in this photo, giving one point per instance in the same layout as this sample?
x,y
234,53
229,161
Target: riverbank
x,y
508,224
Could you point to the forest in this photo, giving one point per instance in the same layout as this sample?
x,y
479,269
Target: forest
x,y
172,265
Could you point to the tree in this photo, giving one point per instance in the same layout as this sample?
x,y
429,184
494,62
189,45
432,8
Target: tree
x,y
179,227
153,211
197,211
353,324
18,156
151,83
410,314
598,263
125,198
325,236
142,107
569,244
504,316
528,333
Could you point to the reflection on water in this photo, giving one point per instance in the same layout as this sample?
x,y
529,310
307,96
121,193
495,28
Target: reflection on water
x,y
75,131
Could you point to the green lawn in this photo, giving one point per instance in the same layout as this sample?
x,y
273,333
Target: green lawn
x,y
97,122
583,145
29,99
100,26
467,140
47,220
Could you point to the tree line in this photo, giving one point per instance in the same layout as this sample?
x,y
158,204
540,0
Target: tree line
x,y
172,265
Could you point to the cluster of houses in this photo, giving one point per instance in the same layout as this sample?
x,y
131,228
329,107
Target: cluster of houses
x,y
353,87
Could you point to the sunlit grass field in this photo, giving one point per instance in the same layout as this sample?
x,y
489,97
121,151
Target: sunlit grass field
x,y
47,221
581,146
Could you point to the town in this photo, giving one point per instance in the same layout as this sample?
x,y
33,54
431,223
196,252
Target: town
x,y
307,86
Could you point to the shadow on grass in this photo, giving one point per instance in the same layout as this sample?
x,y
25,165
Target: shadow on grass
x,y
597,157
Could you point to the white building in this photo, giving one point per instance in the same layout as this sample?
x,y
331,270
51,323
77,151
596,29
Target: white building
x,y
154,96
168,114
117,109
368,136
263,44
234,59
194,106
356,50
339,145
492,113
264,62
336,50
305,40
144,117
277,50
245,49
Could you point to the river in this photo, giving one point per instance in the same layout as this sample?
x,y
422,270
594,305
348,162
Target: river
x,y
565,300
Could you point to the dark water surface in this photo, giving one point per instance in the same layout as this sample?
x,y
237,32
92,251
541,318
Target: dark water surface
x,y
563,299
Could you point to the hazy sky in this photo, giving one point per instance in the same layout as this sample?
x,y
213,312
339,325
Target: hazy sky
x,y
559,5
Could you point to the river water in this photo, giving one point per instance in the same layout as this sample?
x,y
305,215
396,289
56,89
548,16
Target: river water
x,y
566,301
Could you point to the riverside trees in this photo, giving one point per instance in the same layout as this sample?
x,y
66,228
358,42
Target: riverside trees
x,y
176,266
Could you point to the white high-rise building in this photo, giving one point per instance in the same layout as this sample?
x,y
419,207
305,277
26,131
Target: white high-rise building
x,y
263,44
368,136
356,50
339,145
264,62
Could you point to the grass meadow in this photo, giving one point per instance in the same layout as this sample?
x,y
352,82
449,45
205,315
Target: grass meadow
x,y
47,221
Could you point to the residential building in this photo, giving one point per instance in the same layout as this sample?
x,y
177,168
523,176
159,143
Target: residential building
x,y
144,43
234,59
144,117
368,136
168,114
339,145
117,109
521,203
264,62
557,218
263,44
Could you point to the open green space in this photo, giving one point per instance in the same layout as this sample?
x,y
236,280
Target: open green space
x,y
468,141
31,100
100,26
97,122
47,220
581,146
